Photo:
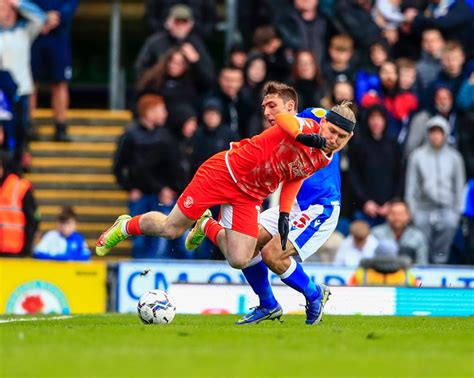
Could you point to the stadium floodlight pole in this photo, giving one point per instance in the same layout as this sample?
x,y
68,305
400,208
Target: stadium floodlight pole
x,y
114,55
231,25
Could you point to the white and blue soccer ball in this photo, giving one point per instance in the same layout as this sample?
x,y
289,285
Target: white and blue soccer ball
x,y
155,307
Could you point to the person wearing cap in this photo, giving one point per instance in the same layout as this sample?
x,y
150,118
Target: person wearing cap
x,y
434,189
212,135
178,32
204,13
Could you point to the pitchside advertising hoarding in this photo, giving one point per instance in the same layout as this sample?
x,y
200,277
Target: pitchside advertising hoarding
x,y
230,295
30,286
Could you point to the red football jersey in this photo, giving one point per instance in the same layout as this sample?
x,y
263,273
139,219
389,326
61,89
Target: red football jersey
x,y
260,163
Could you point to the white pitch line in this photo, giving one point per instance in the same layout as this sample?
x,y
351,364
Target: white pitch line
x,y
35,319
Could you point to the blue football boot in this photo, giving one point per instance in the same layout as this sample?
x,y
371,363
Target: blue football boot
x,y
259,314
314,309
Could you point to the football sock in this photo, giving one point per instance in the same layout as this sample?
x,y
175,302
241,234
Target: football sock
x,y
132,226
256,274
296,278
211,228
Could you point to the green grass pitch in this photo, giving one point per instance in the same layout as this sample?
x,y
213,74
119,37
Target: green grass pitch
x,y
212,346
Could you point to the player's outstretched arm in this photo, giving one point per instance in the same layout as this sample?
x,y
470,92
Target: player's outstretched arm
x,y
289,190
293,127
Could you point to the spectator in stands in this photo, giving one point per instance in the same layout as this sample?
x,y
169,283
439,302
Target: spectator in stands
x,y
434,184
237,56
367,78
453,18
212,136
375,168
8,90
182,122
64,243
429,66
386,267
454,71
230,81
410,240
51,59
176,79
465,99
358,245
306,79
204,14
255,71
408,76
18,217
268,42
387,14
443,107
339,64
341,90
354,17
468,214
400,105
147,165
465,102
177,33
20,24
302,27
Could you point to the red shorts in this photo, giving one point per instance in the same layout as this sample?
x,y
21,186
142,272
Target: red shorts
x,y
212,185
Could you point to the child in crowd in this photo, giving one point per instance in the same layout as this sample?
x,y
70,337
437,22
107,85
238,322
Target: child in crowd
x,y
339,66
64,243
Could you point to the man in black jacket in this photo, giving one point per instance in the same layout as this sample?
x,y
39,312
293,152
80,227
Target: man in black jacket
x,y
147,165
178,32
375,172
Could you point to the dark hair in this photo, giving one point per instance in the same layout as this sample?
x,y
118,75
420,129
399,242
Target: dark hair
x,y
397,200
155,76
282,90
67,213
294,68
263,35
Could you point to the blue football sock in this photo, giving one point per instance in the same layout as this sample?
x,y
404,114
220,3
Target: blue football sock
x,y
296,278
257,277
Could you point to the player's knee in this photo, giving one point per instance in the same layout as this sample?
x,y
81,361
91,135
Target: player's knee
x,y
238,262
269,253
172,233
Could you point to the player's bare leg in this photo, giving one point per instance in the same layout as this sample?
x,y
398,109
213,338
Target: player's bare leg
x,y
152,223
292,274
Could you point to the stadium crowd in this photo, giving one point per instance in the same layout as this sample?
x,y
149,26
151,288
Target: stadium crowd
x,y
405,65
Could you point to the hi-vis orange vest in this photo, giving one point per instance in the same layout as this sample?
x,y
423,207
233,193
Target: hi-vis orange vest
x,y
12,218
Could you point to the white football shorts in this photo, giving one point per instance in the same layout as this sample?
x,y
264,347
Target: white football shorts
x,y
309,229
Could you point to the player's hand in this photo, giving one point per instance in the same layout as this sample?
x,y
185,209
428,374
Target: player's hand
x,y
284,228
312,140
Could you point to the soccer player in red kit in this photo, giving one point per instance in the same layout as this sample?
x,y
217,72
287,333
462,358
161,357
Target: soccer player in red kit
x,y
240,178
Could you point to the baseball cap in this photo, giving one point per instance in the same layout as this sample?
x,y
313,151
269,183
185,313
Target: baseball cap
x,y
181,11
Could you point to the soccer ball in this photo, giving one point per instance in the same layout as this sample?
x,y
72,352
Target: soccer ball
x,y
155,307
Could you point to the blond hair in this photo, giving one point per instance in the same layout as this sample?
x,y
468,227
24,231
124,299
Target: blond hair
x,y
344,110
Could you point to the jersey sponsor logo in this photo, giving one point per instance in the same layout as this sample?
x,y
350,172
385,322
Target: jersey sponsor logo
x,y
297,167
188,202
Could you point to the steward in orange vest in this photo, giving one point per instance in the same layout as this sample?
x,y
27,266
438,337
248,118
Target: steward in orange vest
x,y
17,214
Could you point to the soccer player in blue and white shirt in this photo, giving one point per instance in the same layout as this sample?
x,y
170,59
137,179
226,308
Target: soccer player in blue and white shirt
x,y
313,219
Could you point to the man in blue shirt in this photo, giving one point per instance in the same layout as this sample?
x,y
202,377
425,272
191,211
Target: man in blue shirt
x,y
51,58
